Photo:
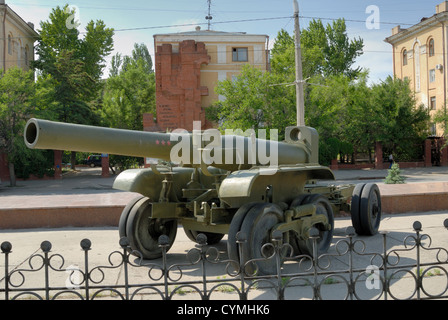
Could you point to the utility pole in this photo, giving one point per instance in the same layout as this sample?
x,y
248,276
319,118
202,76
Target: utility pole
x,y
209,16
298,57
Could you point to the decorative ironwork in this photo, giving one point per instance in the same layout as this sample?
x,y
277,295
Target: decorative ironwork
x,y
348,271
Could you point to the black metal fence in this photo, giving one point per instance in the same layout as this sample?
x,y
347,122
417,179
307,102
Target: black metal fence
x,y
349,271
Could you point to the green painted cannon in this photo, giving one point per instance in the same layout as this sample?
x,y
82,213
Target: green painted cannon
x,y
223,184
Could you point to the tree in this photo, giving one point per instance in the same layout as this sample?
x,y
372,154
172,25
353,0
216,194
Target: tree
x,y
254,101
394,175
20,96
75,64
129,91
325,51
359,115
401,124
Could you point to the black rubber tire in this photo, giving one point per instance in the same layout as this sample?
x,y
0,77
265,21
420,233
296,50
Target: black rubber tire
x,y
325,236
257,226
355,208
143,232
370,209
124,216
235,227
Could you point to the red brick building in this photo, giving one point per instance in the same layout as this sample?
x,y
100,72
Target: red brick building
x,y
188,67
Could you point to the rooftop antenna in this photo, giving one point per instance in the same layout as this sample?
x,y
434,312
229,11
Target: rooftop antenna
x,y
209,17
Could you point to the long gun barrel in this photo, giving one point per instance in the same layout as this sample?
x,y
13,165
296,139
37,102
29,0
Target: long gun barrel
x,y
229,152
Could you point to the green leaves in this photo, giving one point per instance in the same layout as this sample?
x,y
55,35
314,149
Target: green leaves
x,y
130,90
75,64
326,51
21,98
254,100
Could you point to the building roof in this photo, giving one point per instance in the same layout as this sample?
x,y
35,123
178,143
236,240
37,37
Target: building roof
x,y
399,34
216,35
27,26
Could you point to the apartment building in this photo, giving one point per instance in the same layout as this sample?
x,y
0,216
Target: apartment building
x,y
188,67
17,39
419,54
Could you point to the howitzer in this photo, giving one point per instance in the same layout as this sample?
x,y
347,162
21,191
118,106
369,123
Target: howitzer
x,y
224,184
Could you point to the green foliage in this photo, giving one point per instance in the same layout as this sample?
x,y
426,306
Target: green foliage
x,y
32,162
124,162
401,124
130,90
21,97
254,101
359,115
394,175
74,63
349,114
326,51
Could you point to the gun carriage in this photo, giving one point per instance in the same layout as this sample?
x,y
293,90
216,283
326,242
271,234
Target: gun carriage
x,y
222,187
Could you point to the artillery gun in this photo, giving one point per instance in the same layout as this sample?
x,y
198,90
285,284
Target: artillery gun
x,y
222,187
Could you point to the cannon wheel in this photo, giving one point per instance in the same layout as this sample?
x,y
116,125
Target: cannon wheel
x,y
257,226
370,209
212,238
323,206
366,209
143,232
356,206
235,227
124,216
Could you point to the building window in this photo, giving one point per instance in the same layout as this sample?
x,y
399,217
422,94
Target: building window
x,y
9,44
239,54
405,57
431,47
26,56
432,128
432,75
432,103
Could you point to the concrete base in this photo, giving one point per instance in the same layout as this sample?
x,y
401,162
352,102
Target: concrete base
x,y
95,210
414,197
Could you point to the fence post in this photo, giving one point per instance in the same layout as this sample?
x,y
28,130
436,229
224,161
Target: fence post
x,y
6,250
240,239
45,246
384,258
86,244
164,242
314,236
417,226
350,232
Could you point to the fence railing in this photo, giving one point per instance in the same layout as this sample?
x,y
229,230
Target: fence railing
x,y
415,270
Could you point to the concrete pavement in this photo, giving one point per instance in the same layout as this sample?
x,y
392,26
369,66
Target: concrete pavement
x,y
66,244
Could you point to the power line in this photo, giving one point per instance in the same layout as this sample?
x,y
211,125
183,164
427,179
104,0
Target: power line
x,y
224,22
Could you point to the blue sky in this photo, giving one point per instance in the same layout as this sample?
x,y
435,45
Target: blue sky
x,y
228,15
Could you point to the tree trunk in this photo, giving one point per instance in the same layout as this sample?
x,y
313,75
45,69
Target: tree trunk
x,y
12,175
73,160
